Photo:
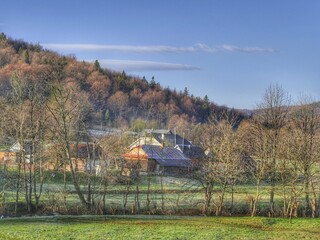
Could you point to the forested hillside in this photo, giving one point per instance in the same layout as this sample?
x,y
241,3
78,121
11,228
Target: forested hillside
x,y
114,98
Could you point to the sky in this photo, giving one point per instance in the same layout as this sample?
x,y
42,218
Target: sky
x,y
229,50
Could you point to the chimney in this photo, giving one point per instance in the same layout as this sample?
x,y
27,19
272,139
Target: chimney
x,y
162,137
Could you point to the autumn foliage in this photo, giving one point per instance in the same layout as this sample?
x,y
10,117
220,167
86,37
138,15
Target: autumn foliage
x,y
122,97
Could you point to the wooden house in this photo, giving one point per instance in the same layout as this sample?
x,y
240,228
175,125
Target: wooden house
x,y
11,155
167,138
157,159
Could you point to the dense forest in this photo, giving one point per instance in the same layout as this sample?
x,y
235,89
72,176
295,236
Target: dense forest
x,y
116,99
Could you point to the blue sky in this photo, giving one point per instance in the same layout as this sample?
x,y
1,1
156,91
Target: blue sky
x,y
228,50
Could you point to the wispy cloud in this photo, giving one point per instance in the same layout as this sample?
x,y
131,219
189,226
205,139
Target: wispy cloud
x,y
129,48
200,47
230,48
131,65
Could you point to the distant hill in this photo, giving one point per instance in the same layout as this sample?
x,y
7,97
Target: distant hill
x,y
117,98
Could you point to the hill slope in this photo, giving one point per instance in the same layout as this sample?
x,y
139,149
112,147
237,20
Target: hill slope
x,y
116,98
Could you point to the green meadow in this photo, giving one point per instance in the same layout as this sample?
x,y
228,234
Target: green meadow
x,y
157,227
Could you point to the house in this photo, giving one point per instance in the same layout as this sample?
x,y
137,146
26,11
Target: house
x,y
167,138
157,159
84,157
10,155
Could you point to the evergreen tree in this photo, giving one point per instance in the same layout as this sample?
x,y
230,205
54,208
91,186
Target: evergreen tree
x,y
27,57
206,108
186,91
152,83
37,47
123,76
205,102
144,79
97,65
3,36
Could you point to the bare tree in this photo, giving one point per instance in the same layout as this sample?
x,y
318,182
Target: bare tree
x,y
67,109
288,172
28,96
305,148
221,166
270,119
111,163
17,98
254,140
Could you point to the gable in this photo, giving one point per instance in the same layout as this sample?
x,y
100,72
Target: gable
x,y
144,141
171,139
136,153
16,147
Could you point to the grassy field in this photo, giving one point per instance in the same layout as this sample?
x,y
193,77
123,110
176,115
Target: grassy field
x,y
177,195
157,227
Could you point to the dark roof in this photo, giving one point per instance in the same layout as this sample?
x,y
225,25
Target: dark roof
x,y
192,151
167,156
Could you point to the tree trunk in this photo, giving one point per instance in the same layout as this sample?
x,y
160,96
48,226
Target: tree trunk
x,y
125,198
162,192
232,195
256,200
38,195
272,188
207,198
18,186
105,184
284,207
314,202
306,191
221,200
148,193
68,155
137,201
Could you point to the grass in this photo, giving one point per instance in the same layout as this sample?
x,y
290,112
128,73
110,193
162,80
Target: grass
x,y
157,227
174,202
179,194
